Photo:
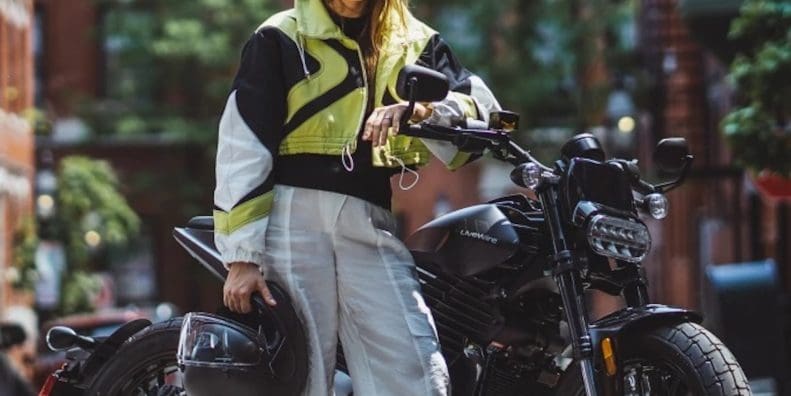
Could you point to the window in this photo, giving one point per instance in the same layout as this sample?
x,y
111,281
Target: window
x,y
129,68
39,63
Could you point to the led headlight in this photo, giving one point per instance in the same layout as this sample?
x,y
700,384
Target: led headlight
x,y
618,238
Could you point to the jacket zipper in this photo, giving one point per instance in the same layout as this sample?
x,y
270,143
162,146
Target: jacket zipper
x,y
365,98
365,91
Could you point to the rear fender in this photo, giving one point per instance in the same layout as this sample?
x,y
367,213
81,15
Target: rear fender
x,y
618,325
197,238
83,366
107,348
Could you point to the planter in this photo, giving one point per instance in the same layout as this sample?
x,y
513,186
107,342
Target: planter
x,y
773,185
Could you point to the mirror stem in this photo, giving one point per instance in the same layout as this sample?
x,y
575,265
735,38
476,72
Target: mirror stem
x,y
665,187
412,83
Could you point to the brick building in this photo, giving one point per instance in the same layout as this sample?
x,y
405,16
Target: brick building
x,y
717,217
16,138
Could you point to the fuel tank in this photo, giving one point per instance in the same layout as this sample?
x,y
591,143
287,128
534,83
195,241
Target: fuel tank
x,y
466,242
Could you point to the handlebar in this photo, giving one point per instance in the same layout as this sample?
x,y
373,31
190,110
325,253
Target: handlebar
x,y
476,137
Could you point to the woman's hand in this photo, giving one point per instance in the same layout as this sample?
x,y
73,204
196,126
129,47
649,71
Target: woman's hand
x,y
243,280
384,118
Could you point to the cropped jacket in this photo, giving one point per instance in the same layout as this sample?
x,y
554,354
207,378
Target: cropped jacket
x,y
302,88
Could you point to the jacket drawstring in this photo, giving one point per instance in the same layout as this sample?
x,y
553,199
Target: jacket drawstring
x,y
346,157
404,170
301,48
348,163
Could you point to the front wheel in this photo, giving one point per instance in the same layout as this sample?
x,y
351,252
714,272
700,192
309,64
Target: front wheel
x,y
685,359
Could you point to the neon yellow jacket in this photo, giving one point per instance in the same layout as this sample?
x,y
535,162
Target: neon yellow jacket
x,y
302,88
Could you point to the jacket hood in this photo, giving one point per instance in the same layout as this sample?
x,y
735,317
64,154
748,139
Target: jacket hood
x,y
313,20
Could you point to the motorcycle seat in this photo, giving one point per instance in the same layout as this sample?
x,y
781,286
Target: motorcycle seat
x,y
201,223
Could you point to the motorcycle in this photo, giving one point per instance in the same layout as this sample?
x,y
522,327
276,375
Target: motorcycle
x,y
506,281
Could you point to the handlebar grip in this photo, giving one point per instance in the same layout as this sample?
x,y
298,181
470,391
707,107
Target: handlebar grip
x,y
416,130
472,123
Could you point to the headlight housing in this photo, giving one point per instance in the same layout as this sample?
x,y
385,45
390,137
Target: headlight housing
x,y
619,238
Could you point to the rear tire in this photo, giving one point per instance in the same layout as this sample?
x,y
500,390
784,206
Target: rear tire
x,y
147,357
692,353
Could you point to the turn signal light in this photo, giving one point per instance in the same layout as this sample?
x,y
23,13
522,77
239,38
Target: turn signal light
x,y
608,356
657,205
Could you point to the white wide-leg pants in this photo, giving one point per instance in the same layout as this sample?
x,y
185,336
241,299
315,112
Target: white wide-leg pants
x,y
348,275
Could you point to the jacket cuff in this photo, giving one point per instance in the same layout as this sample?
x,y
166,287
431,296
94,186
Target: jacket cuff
x,y
447,112
244,256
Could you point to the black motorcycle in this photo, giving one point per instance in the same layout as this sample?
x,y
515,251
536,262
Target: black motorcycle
x,y
506,281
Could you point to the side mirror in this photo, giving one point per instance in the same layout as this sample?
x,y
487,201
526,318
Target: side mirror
x,y
671,155
420,84
61,338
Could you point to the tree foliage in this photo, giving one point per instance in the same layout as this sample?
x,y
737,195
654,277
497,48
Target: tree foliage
x,y
555,62
760,130
23,268
172,62
87,200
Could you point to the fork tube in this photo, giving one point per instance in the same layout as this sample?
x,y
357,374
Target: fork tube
x,y
567,277
635,290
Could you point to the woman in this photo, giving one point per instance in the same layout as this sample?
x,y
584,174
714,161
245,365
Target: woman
x,y
306,152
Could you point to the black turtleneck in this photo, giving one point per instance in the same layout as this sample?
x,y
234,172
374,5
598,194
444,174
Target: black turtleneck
x,y
351,27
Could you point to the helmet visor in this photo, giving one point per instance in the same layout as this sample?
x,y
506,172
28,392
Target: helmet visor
x,y
212,341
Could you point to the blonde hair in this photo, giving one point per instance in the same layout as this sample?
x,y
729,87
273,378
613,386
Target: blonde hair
x,y
388,18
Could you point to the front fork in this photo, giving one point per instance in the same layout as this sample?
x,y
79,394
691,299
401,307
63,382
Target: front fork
x,y
635,291
567,277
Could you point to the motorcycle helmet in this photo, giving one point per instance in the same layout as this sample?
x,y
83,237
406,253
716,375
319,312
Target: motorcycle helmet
x,y
263,353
